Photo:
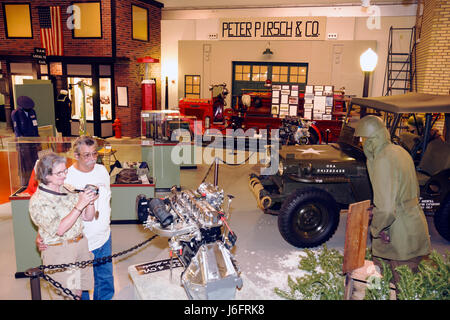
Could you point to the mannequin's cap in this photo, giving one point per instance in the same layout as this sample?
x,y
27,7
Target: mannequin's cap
x,y
25,102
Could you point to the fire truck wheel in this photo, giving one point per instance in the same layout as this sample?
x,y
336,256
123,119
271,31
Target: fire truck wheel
x,y
442,219
308,218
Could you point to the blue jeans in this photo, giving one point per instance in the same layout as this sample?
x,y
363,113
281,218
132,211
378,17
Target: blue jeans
x,y
85,295
103,273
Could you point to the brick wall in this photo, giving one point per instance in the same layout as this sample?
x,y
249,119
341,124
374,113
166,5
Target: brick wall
x,y
433,51
72,47
131,74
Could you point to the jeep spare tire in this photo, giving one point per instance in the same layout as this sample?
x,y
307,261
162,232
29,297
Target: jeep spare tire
x,y
308,218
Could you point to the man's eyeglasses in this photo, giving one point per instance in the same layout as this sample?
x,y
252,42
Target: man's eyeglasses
x,y
61,173
87,155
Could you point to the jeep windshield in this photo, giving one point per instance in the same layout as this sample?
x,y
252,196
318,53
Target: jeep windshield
x,y
392,108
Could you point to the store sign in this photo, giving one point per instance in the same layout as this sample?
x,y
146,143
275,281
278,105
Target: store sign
x,y
285,28
39,55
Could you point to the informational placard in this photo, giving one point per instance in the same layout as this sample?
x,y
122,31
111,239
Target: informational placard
x,y
318,102
122,96
284,100
156,266
273,28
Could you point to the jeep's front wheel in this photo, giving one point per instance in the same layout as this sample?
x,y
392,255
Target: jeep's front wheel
x,y
308,218
442,219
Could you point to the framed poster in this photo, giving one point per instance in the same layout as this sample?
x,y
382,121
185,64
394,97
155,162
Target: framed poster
x,y
122,96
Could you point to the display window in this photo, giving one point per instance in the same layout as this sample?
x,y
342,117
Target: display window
x,y
18,79
88,20
105,99
242,73
251,76
259,73
76,96
17,20
140,23
298,74
192,86
280,74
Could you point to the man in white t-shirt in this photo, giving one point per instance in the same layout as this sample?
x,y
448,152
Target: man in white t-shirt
x,y
98,231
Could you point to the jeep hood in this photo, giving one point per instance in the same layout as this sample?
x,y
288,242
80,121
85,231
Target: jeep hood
x,y
323,153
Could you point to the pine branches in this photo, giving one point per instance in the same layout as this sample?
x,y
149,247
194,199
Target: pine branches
x,y
432,282
324,279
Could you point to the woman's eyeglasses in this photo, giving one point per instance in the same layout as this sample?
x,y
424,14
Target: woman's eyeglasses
x,y
61,173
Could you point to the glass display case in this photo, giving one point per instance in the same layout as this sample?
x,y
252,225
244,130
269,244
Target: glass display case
x,y
156,124
181,128
22,154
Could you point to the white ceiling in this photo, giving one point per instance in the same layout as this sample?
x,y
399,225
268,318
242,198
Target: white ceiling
x,y
236,4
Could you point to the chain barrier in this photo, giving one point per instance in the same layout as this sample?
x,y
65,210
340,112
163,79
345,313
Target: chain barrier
x,y
84,264
236,164
225,163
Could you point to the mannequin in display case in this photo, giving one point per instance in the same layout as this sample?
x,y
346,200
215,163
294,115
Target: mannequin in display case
x,y
63,112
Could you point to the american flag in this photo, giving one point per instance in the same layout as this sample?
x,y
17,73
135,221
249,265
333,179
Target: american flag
x,y
51,30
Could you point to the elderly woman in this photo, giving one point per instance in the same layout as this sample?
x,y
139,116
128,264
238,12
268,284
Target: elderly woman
x,y
58,214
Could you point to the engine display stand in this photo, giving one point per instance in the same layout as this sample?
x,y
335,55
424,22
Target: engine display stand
x,y
159,286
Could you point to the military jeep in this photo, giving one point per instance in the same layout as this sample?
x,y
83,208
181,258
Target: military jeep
x,y
314,182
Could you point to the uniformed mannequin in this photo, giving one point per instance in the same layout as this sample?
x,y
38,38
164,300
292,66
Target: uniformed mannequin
x,y
63,112
24,118
399,229
25,125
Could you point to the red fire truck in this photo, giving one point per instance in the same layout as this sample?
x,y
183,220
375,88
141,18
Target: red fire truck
x,y
209,111
254,113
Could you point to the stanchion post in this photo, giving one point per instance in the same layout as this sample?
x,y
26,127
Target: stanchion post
x,y
216,172
35,275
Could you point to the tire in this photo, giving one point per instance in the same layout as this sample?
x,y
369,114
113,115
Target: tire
x,y
442,219
308,218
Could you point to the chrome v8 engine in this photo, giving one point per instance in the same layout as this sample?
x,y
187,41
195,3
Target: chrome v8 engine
x,y
196,224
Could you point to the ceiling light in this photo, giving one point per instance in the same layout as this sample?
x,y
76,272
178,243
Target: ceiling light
x,y
268,51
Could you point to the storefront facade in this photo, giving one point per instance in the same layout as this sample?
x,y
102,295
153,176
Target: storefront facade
x,y
101,56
